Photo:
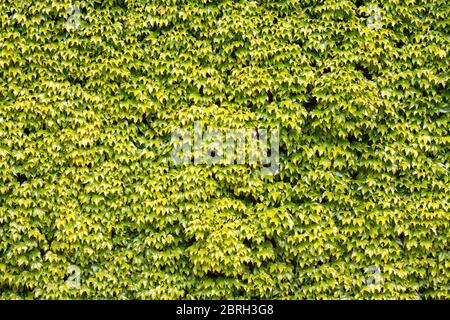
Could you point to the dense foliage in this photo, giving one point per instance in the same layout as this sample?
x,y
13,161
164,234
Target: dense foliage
x,y
91,92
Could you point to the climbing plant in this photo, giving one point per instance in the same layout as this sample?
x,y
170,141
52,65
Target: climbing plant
x,y
92,205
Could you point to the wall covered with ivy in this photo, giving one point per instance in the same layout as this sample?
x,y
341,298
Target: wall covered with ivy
x,y
92,205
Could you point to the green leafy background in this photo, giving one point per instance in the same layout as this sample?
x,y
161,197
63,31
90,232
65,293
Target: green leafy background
x,y
86,116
